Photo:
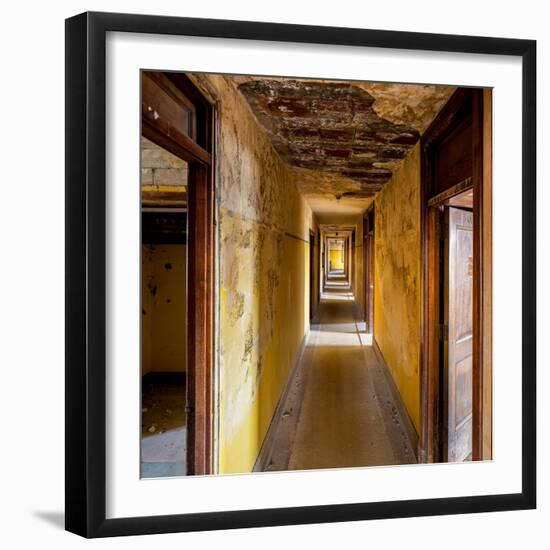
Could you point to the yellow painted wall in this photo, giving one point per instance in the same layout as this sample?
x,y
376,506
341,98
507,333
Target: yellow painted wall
x,y
163,315
264,278
359,280
316,267
336,258
397,280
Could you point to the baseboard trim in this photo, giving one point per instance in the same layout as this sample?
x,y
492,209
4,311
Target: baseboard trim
x,y
266,450
410,430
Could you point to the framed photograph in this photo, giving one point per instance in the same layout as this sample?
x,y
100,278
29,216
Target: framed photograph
x,y
300,274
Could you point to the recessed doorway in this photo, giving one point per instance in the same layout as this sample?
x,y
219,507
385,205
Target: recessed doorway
x,y
456,366
177,276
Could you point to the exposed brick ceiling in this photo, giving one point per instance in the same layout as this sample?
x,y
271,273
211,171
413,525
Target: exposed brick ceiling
x,y
330,127
344,138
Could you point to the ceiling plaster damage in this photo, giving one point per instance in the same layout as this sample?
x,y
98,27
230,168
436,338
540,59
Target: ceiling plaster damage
x,y
343,139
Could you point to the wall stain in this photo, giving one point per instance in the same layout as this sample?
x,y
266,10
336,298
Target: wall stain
x,y
397,279
260,332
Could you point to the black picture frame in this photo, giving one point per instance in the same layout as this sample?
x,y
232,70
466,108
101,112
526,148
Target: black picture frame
x,y
86,263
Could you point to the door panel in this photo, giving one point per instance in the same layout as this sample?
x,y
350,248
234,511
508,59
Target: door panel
x,y
454,156
460,334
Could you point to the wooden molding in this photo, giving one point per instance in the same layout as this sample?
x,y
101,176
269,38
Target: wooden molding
x,y
464,103
200,257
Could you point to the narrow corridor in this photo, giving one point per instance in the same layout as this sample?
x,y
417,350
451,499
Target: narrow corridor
x,y
341,411
307,295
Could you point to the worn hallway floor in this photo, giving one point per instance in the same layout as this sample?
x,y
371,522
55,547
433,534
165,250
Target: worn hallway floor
x,y
341,410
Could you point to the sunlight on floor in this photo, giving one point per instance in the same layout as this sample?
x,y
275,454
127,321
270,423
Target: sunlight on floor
x,y
337,296
340,339
347,414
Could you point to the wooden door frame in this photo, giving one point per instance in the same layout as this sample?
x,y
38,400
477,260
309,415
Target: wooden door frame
x,y
326,261
320,259
368,262
198,153
479,101
311,274
350,260
346,257
353,262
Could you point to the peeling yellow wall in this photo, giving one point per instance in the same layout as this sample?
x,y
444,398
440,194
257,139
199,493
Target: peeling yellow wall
x,y
397,280
263,237
163,308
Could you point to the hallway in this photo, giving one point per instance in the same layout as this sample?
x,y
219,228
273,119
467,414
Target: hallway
x,y
344,412
313,253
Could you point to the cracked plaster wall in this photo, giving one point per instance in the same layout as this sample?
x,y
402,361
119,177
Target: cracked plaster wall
x,y
264,278
397,279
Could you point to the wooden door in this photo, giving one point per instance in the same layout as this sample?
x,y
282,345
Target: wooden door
x,y
311,274
352,263
456,157
459,333
323,245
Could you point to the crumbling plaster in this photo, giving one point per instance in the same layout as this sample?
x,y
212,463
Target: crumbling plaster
x,y
397,280
263,236
263,233
342,139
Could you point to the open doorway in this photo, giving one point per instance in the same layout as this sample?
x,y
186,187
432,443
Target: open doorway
x,y
177,277
337,261
456,361
336,258
163,312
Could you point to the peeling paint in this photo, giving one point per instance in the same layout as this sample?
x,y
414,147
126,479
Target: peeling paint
x,y
330,126
397,279
415,105
263,294
288,142
325,164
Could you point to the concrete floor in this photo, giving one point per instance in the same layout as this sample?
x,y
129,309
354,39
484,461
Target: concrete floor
x,y
163,427
348,416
